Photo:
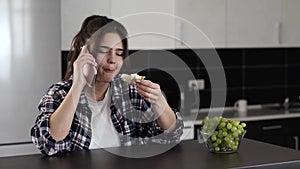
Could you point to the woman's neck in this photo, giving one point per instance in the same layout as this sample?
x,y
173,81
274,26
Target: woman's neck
x,y
98,91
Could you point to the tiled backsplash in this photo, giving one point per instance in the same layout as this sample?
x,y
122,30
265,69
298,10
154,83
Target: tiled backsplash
x,y
260,75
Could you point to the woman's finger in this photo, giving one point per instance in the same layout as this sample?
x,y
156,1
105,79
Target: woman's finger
x,y
148,93
83,50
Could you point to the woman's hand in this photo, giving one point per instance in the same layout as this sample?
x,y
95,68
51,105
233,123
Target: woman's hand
x,y
84,68
152,93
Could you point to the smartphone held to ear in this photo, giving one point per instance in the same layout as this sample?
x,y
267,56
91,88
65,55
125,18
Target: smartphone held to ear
x,y
90,74
90,71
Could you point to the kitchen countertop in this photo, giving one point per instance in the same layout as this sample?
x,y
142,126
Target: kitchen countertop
x,y
253,114
187,154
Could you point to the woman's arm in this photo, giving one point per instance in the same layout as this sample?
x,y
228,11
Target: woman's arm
x,y
40,132
61,119
152,93
53,125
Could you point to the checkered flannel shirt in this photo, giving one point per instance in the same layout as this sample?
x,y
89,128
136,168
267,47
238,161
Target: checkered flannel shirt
x,y
133,128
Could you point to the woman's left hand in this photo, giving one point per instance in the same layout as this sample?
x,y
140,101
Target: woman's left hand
x,y
152,93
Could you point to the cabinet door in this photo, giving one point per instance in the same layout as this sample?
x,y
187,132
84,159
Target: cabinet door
x,y
282,132
206,15
73,12
254,23
290,25
150,24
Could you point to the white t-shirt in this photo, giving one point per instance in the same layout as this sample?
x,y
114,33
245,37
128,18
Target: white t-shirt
x,y
104,133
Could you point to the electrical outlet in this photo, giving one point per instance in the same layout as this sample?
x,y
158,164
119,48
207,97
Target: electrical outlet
x,y
196,84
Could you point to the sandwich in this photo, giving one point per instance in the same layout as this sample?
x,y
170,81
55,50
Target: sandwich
x,y
131,78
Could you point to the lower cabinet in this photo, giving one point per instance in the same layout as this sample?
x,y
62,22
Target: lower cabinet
x,y
282,132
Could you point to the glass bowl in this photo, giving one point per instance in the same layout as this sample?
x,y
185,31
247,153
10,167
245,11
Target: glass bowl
x,y
215,144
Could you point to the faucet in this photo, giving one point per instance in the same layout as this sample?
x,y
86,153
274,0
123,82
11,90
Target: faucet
x,y
288,103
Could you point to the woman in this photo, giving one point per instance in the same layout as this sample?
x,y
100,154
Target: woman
x,y
85,111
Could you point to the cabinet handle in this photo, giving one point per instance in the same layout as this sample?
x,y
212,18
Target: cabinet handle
x,y
272,127
178,33
296,142
278,28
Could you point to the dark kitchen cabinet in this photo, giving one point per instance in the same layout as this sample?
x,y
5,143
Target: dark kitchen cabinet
x,y
282,132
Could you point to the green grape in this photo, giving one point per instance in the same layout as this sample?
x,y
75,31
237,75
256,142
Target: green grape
x,y
217,149
233,129
217,119
224,133
234,148
236,122
222,125
224,129
227,139
213,137
229,125
220,135
223,119
210,126
218,141
243,124
235,135
205,118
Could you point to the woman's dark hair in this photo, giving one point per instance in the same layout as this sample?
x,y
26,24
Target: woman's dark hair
x,y
92,25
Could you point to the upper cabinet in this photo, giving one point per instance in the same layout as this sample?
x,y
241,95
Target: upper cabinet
x,y
170,24
73,12
290,23
241,23
150,24
263,23
253,23
204,23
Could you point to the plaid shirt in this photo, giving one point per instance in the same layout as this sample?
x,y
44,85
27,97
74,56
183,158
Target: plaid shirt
x,y
134,127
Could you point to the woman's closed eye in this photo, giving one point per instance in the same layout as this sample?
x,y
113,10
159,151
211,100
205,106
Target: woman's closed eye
x,y
106,49
120,52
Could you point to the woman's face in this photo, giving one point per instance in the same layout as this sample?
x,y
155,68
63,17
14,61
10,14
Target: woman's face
x,y
109,57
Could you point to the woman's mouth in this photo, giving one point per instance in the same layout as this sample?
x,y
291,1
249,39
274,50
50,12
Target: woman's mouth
x,y
108,70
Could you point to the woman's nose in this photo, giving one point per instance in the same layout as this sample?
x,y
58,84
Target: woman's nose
x,y
111,56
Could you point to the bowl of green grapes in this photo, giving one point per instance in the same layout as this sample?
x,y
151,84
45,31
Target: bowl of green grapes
x,y
221,135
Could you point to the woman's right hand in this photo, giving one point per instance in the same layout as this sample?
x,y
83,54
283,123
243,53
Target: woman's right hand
x,y
84,69
61,120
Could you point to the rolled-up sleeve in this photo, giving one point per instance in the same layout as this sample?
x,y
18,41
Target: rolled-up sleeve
x,y
162,136
151,128
40,132
174,135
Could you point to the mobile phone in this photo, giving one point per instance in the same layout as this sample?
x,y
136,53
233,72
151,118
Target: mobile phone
x,y
89,71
